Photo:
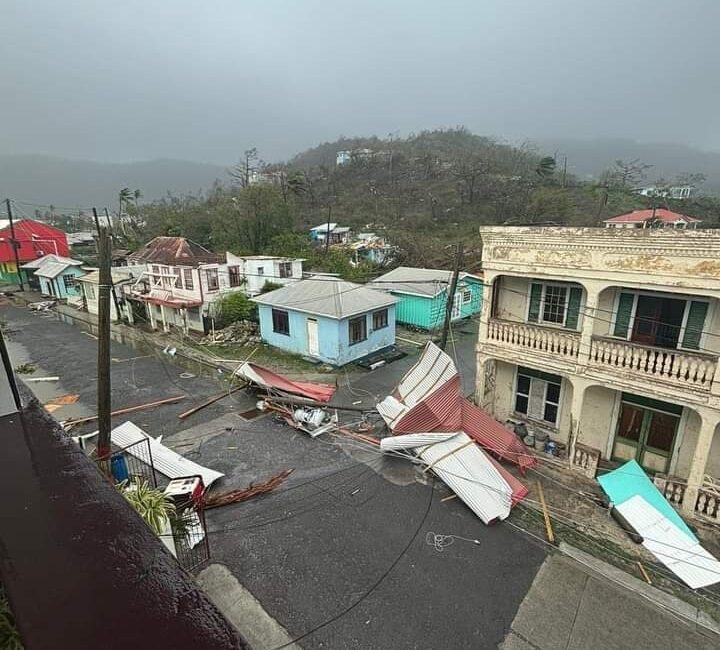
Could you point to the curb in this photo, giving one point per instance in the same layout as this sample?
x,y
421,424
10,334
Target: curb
x,y
702,621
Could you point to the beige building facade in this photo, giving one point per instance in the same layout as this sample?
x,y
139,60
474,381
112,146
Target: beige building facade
x,y
608,340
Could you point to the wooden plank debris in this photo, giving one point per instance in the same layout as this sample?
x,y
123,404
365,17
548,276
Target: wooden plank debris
x,y
210,400
546,514
128,409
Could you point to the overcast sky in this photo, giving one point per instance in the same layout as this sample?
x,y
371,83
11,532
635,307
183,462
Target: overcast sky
x,y
203,80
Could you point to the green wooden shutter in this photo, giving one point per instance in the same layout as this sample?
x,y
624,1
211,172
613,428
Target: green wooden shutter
x,y
573,308
535,296
695,324
624,311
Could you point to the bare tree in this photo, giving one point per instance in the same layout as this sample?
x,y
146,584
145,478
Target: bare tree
x,y
243,171
625,173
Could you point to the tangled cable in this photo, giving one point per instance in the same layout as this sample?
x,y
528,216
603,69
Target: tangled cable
x,y
441,542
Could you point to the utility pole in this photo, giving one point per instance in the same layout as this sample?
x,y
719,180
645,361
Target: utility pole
x,y
327,233
103,358
451,294
14,243
564,174
108,228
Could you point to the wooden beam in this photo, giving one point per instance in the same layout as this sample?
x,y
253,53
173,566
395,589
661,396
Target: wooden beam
x,y
210,400
128,409
546,514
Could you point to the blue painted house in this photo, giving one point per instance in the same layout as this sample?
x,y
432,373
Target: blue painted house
x,y
422,295
327,319
57,276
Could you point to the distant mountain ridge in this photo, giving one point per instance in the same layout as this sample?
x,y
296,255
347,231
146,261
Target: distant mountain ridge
x,y
69,183
668,160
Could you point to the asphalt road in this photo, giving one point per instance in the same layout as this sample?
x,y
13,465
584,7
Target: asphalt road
x,y
338,556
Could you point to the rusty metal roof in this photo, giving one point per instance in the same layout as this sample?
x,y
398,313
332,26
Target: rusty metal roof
x,y
174,251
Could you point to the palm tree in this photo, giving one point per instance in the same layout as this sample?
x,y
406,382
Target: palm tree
x,y
545,167
123,198
137,195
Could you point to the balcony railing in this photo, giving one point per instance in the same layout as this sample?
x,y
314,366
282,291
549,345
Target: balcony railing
x,y
536,338
683,369
707,505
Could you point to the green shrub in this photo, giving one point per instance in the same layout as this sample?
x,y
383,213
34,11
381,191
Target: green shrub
x,y
234,307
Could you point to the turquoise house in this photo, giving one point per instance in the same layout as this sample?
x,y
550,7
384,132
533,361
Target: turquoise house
x,y
327,319
57,276
422,295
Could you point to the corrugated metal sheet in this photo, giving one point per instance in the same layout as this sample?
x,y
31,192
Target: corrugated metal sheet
x,y
326,296
432,371
165,460
685,558
271,380
494,437
429,398
413,440
468,472
630,480
174,251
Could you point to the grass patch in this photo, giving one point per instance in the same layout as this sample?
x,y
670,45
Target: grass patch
x,y
266,355
25,369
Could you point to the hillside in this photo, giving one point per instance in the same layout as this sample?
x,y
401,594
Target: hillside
x,y
592,157
80,183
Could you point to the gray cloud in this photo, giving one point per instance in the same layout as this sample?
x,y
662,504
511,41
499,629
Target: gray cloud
x,y
205,80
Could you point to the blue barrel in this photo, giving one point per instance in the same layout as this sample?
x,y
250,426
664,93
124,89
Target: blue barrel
x,y
119,468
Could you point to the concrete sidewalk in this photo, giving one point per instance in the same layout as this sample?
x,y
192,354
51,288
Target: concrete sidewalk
x,y
571,606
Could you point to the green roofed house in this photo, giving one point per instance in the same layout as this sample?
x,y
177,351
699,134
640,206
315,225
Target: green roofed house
x,y
422,295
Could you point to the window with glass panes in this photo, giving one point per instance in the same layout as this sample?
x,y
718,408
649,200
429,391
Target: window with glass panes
x,y
554,303
357,329
380,319
285,269
537,395
281,322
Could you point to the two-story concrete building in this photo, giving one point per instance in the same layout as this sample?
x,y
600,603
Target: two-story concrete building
x,y
608,339
254,272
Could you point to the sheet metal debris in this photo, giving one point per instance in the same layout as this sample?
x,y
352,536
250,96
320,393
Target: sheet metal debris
x,y
464,468
165,460
272,381
683,556
429,398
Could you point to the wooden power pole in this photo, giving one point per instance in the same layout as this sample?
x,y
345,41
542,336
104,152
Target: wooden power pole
x,y
451,294
14,244
103,365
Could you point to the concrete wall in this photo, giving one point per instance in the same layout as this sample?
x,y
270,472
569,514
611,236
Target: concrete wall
x,y
598,417
504,403
333,336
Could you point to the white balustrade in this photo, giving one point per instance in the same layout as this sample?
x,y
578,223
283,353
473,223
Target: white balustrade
x,y
533,337
674,366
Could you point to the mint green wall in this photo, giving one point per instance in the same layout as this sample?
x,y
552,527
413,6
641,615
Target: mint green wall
x,y
429,313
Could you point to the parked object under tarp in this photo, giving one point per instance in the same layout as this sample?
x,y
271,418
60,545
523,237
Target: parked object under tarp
x,y
164,460
272,381
465,468
429,398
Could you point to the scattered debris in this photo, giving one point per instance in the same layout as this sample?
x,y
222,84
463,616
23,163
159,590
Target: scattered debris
x,y
58,402
311,420
242,332
209,401
651,521
429,398
546,514
644,573
218,499
378,359
486,488
43,379
251,414
165,460
130,409
43,305
272,381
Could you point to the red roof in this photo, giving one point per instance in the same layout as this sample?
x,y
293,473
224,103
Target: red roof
x,y
661,214
273,381
35,240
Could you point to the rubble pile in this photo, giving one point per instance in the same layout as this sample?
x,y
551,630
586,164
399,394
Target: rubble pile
x,y
242,332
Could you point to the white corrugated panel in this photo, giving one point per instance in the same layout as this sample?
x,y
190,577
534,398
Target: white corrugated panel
x,y
413,440
465,469
166,461
685,558
433,370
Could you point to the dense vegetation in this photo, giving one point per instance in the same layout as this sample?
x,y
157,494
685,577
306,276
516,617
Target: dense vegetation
x,y
423,192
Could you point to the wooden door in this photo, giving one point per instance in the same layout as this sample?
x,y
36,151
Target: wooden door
x,y
312,337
